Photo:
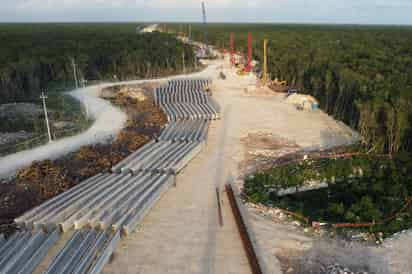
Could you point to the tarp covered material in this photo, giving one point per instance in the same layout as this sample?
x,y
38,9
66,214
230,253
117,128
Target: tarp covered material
x,y
306,102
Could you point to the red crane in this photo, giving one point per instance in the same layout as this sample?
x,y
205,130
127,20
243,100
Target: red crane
x,y
248,67
232,48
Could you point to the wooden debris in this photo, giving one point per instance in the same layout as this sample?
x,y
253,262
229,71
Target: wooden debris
x,y
46,179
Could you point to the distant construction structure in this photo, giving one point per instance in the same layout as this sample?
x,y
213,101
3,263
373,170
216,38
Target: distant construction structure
x,y
205,51
232,49
206,42
248,67
147,28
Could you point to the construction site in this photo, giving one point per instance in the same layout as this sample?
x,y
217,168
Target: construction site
x,y
163,192
85,202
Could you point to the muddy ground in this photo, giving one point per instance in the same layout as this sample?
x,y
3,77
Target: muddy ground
x,y
46,179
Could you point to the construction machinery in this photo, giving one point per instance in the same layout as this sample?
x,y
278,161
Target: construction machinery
x,y
280,82
205,50
239,63
232,49
248,67
241,70
189,34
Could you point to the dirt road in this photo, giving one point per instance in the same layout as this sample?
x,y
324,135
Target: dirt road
x,y
182,233
109,120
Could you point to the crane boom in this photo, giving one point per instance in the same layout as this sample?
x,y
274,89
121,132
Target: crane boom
x,y
205,23
249,53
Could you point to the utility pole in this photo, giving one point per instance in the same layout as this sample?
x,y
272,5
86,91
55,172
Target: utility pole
x,y
190,34
44,97
232,48
75,73
86,109
84,81
183,62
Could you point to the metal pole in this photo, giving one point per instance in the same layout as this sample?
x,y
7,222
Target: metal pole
x,y
265,61
232,48
184,65
244,232
249,53
86,109
75,73
44,97
205,28
190,34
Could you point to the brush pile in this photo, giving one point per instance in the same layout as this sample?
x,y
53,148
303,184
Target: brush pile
x,y
46,179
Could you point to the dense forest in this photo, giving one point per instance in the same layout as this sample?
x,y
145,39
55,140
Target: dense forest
x,y
35,57
361,190
361,75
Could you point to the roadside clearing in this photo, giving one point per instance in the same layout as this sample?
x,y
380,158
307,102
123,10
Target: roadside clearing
x,y
46,179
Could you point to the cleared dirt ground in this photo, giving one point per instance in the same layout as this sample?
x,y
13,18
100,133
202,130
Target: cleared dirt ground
x,y
182,234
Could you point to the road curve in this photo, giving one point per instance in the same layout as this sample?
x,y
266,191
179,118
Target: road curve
x,y
109,120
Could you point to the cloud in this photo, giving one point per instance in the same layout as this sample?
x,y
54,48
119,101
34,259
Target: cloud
x,y
328,11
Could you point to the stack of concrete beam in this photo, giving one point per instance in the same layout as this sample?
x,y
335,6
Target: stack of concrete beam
x,y
196,83
111,204
23,251
184,111
187,99
103,201
169,95
186,131
160,157
87,251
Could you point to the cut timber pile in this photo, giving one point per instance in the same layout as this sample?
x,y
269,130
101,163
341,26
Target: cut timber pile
x,y
110,204
14,201
46,178
96,158
133,141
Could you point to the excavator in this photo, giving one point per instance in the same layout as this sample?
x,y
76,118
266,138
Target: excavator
x,y
241,70
280,82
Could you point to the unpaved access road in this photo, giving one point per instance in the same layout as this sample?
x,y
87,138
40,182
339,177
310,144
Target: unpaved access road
x,y
182,233
108,121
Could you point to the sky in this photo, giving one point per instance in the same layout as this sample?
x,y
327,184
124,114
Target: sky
x,y
398,12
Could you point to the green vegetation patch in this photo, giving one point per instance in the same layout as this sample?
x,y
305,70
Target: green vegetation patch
x,y
67,117
34,57
361,190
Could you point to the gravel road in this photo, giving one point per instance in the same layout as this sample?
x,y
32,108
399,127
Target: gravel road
x,y
181,234
109,120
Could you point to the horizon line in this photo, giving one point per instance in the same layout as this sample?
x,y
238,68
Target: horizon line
x,y
212,22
